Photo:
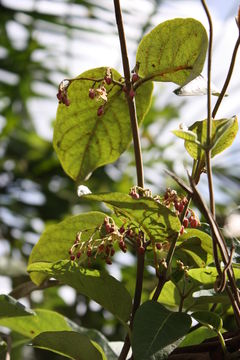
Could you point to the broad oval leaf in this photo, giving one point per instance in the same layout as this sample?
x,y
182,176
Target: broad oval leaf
x,y
157,221
173,51
155,327
47,320
224,132
55,242
98,286
31,326
209,319
70,344
9,307
83,140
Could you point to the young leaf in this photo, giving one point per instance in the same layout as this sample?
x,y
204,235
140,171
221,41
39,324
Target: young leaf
x,y
224,136
208,319
155,327
9,307
55,242
196,87
173,51
70,344
83,140
224,132
156,220
99,286
186,135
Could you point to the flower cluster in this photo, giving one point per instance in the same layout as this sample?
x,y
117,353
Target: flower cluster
x,y
62,92
111,237
172,199
137,192
100,93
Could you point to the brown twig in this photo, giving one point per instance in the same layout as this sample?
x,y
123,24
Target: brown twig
x,y
28,287
8,340
228,78
138,159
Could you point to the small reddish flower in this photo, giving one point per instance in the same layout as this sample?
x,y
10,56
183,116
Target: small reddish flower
x,y
135,78
91,93
100,110
185,222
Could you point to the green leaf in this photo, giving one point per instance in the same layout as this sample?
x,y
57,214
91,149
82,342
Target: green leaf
x,y
55,242
199,285
186,135
224,132
31,326
194,248
156,220
209,319
224,136
84,141
197,336
99,286
204,276
98,338
70,344
173,51
9,307
46,320
155,327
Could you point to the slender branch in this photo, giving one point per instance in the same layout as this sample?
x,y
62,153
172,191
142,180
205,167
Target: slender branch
x,y
138,159
131,102
115,82
209,115
8,340
28,287
228,78
161,73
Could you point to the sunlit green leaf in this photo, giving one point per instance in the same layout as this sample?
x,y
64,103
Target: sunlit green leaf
x,y
55,242
83,140
173,51
186,135
156,220
155,327
98,286
31,326
70,344
199,287
224,132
